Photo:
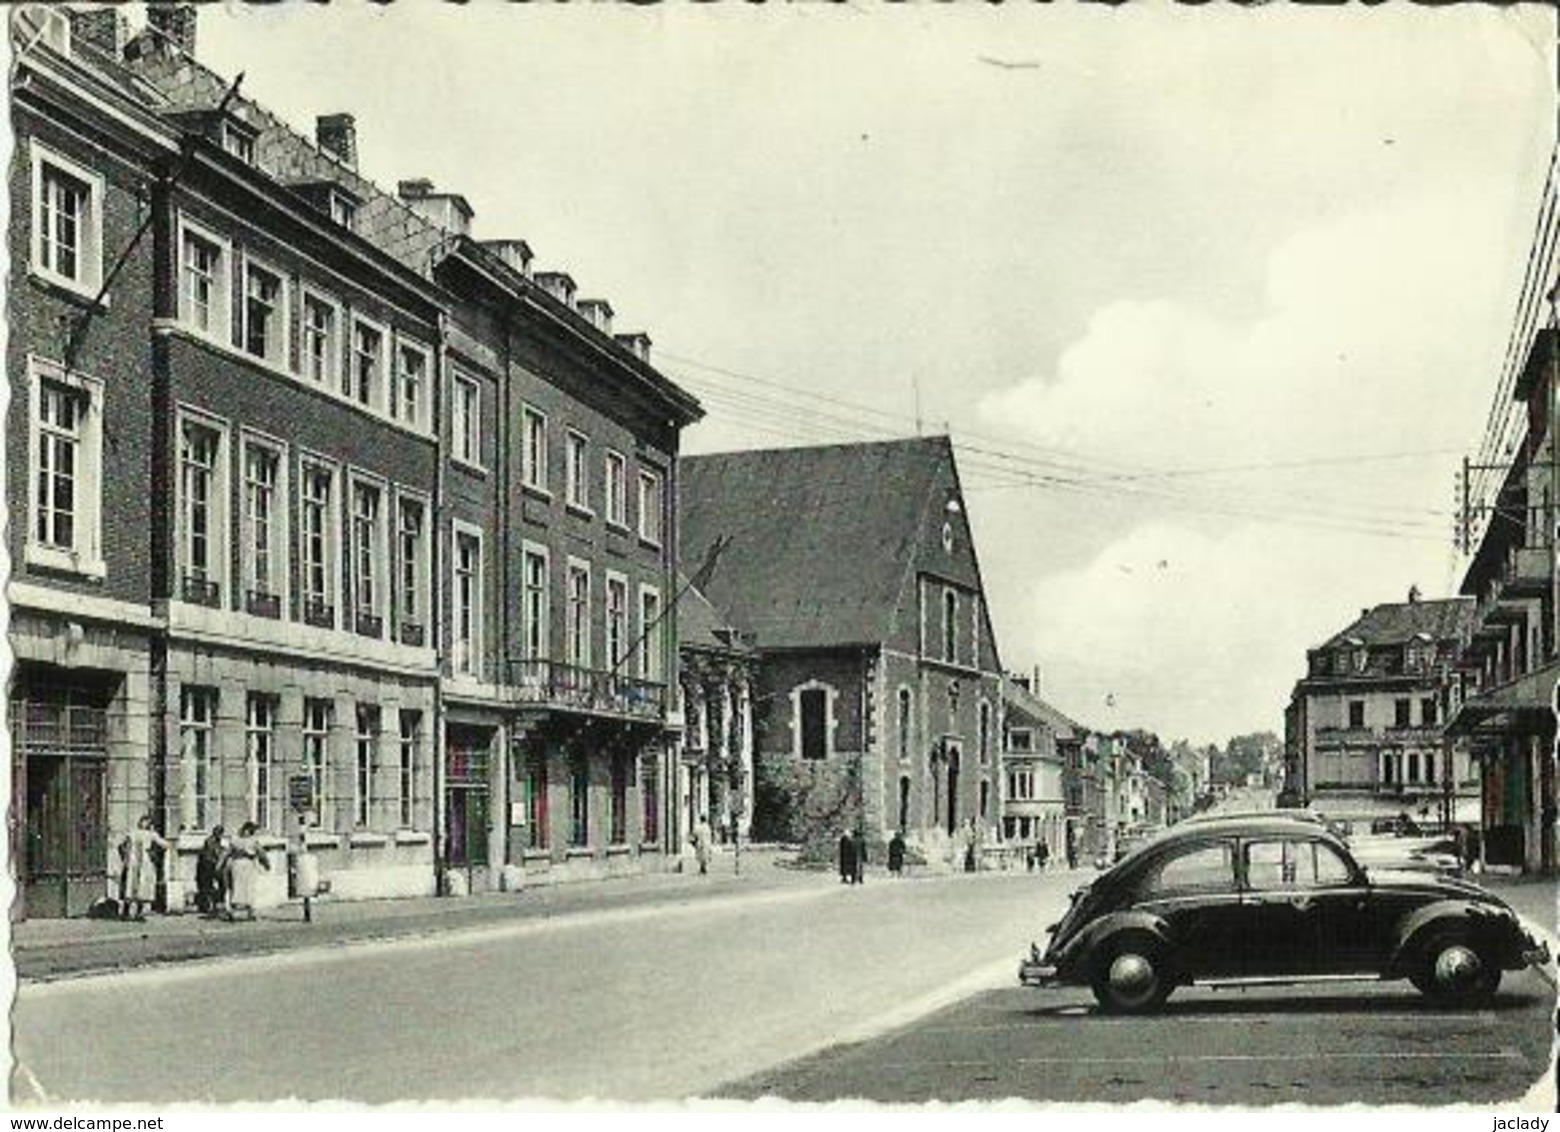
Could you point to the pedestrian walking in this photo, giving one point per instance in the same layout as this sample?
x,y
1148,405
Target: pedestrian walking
x,y
861,857
701,844
847,858
246,857
1072,853
1042,855
139,887
211,873
896,854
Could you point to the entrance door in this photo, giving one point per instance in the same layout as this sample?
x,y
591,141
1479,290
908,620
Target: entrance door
x,y
953,789
60,741
468,836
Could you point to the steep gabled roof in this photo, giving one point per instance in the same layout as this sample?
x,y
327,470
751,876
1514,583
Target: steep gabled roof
x,y
1396,623
821,538
1034,708
700,625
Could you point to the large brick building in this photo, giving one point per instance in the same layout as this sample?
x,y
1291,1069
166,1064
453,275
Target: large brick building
x,y
878,702
326,503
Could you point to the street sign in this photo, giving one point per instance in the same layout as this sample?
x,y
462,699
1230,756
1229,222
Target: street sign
x,y
300,792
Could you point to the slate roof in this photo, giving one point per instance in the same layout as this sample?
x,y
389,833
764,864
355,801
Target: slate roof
x,y
1035,708
1396,623
700,625
822,538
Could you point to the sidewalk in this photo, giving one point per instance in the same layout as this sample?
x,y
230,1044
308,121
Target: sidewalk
x,y
50,949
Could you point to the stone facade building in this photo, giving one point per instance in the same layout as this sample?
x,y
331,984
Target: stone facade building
x,y
1035,737
878,701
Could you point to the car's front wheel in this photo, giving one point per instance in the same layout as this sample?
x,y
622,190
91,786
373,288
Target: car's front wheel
x,y
1453,970
1132,977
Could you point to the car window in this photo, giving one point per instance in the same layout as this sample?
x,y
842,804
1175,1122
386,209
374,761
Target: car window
x,y
1290,863
1207,868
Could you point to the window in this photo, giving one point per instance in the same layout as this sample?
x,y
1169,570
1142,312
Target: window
x,y
617,489
265,314
1413,767
203,289
466,420
406,777
259,753
1430,767
408,405
536,800
319,340
1207,868
535,604
1021,740
579,804
316,754
985,733
67,223
650,507
468,601
617,621
812,725
1400,713
343,210
317,545
650,798
576,473
904,724
985,799
368,559
618,799
366,376
650,630
1293,864
904,802
412,550
1388,768
950,626
533,454
201,794
239,140
577,627
65,443
363,770
264,537
203,498
1429,714
1356,713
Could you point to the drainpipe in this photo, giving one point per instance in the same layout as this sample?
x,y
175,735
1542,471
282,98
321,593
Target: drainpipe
x,y
439,619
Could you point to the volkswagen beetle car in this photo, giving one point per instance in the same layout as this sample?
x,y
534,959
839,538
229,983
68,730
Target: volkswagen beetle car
x,y
1272,900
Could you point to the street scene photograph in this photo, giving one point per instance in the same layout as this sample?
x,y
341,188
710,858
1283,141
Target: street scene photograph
x,y
739,557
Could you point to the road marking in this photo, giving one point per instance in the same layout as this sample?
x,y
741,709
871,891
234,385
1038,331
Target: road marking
x,y
437,938
1177,1059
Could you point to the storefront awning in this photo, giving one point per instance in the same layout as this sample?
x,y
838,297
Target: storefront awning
x,y
1519,706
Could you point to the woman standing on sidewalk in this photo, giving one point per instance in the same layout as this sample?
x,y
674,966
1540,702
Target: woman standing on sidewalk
x,y
246,858
140,886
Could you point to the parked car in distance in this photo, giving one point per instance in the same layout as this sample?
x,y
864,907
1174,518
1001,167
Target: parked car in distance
x,y
1423,854
1270,901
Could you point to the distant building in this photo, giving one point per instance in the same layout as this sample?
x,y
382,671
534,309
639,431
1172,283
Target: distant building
x,y
717,670
1034,806
1364,726
852,571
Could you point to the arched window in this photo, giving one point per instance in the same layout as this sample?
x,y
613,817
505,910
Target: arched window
x,y
950,626
985,732
904,725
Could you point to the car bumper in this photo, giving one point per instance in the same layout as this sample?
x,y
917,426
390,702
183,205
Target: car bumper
x,y
1033,971
1536,955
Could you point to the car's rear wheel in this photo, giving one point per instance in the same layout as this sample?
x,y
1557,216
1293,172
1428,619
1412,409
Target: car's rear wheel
x,y
1132,976
1452,969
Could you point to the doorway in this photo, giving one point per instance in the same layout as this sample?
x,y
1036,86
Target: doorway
x,y
953,788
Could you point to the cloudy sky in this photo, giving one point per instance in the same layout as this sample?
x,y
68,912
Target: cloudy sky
x,y
1212,301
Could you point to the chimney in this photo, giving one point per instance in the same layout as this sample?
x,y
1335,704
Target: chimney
x,y
336,134
597,312
558,284
447,210
174,24
637,343
1035,681
104,29
1413,595
515,253
1021,681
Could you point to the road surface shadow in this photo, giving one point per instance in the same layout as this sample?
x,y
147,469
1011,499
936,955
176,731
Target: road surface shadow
x,y
1412,1003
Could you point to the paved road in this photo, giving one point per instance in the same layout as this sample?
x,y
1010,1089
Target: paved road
x,y
1380,1045
648,1002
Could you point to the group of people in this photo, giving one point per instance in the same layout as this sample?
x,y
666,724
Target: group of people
x,y
853,856
226,871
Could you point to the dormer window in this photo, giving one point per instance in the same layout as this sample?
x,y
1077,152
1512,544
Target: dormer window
x,y
343,210
239,140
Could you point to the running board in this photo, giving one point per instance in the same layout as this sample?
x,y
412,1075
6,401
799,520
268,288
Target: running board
x,y
1283,981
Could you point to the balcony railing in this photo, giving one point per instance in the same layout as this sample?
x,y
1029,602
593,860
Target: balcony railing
x,y
369,624
320,614
1528,572
557,684
202,591
414,635
261,604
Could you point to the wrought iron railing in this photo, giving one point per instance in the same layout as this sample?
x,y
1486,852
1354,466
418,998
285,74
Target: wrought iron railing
x,y
567,685
262,604
202,591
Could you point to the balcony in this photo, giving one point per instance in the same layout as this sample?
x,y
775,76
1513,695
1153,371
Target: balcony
x,y
202,591
261,604
552,683
369,624
414,635
1528,572
320,614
